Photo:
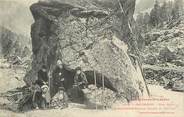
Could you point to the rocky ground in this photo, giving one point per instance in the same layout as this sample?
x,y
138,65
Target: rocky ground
x,y
11,78
163,54
164,46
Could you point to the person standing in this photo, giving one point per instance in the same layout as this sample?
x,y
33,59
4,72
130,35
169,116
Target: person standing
x,y
42,76
60,99
58,77
41,84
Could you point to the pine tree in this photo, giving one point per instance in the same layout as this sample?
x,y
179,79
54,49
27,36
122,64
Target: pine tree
x,y
169,10
163,12
177,10
139,19
155,14
146,21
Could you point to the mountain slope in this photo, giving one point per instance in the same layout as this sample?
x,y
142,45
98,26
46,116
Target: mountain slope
x,y
164,55
13,44
166,44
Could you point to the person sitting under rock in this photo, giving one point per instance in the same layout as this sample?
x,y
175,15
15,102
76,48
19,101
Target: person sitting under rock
x,y
76,94
80,79
39,97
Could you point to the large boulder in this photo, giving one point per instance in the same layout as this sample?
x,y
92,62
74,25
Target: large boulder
x,y
92,34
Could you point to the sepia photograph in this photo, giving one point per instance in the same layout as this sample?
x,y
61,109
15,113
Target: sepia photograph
x,y
91,58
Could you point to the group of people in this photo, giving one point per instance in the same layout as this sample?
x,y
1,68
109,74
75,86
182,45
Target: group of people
x,y
42,89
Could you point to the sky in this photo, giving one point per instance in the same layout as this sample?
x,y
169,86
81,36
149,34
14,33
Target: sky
x,y
143,5
25,2
18,18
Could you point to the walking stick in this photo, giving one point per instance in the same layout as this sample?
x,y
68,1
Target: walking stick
x,y
95,90
135,46
103,88
49,88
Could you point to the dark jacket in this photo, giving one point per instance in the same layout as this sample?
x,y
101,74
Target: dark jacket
x,y
58,77
42,78
80,79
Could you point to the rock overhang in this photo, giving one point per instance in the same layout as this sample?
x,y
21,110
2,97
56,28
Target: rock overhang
x,y
75,41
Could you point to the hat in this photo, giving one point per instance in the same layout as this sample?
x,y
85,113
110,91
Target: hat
x,y
78,68
44,67
44,86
